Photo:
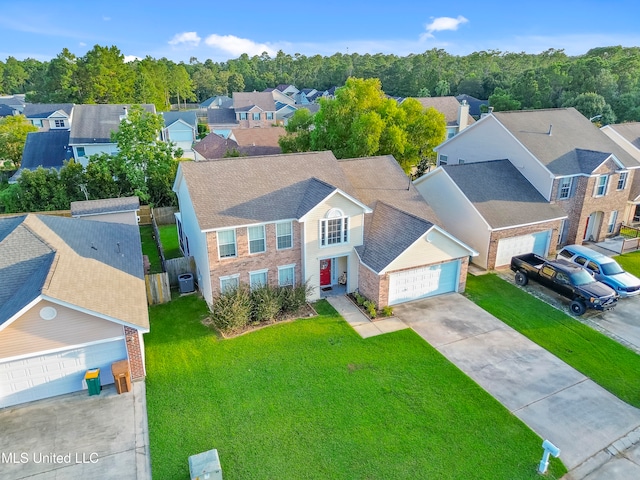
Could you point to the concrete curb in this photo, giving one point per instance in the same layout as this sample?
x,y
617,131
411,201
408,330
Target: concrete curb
x,y
143,456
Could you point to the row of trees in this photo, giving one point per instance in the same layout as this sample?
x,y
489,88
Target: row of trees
x,y
143,166
511,80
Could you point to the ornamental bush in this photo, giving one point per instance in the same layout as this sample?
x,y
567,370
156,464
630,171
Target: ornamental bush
x,y
232,309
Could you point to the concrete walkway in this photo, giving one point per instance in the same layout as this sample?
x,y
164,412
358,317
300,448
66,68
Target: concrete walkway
x,y
360,322
597,433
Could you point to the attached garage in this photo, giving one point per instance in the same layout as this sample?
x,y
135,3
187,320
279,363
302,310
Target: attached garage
x,y
509,247
48,375
423,282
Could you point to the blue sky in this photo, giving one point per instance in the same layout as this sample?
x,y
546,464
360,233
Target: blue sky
x,y
217,30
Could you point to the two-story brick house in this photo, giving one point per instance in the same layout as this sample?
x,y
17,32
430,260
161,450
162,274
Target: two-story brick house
x,y
290,219
254,109
566,158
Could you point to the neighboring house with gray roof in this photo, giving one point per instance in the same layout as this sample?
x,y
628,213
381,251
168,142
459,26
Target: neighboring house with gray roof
x,y
16,102
566,158
254,109
116,210
214,146
217,101
338,225
72,298
93,125
627,135
475,105
221,120
494,209
181,128
49,149
456,113
49,116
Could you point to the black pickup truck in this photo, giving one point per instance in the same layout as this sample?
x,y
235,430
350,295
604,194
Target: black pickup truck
x,y
570,281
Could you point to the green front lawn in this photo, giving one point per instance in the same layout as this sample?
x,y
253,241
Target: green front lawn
x,y
600,358
311,399
630,262
169,240
150,248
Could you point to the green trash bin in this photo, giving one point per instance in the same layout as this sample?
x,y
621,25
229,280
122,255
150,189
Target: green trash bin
x,y
92,377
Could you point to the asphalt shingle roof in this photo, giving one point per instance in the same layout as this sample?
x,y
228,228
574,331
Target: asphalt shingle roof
x,y
44,110
188,116
48,149
629,131
263,100
221,116
94,265
214,146
502,195
448,106
95,123
280,182
388,233
106,205
570,131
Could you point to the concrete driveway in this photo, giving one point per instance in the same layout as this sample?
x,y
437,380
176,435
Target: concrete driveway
x,y
76,436
553,399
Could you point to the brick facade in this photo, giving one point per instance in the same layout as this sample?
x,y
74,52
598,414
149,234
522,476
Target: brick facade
x,y
136,363
243,262
496,236
251,123
583,202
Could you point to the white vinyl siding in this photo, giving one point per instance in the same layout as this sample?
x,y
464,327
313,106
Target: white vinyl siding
x,y
257,242
227,243
284,235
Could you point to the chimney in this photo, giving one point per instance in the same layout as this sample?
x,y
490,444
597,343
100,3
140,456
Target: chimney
x,y
463,115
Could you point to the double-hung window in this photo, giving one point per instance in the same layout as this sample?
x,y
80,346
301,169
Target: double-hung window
x,y
564,190
256,116
59,123
227,243
244,116
257,242
284,235
286,275
257,279
269,115
334,229
601,185
622,180
444,159
229,282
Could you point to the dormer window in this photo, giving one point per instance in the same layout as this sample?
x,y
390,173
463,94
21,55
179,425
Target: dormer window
x,y
334,228
59,123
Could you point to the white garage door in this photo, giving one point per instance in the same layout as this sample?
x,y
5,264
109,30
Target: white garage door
x,y
510,247
423,282
43,376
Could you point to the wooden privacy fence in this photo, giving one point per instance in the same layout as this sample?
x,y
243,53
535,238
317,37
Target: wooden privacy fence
x,y
165,215
158,288
630,245
174,267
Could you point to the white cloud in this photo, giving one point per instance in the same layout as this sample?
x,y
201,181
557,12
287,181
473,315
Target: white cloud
x,y
131,58
82,44
237,46
188,38
441,24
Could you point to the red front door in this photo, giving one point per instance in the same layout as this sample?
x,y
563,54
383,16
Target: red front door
x,y
325,272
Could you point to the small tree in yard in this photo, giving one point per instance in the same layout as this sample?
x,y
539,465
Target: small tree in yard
x,y
13,136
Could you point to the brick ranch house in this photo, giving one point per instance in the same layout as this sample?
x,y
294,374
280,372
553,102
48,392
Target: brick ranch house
x,y
340,225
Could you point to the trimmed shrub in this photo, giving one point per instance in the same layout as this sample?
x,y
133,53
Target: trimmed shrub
x,y
265,304
387,311
371,308
293,298
360,300
231,310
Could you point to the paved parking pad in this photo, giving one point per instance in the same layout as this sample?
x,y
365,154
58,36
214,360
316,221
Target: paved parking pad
x,y
76,437
556,401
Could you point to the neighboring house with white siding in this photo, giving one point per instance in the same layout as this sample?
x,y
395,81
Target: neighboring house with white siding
x,y
181,128
49,116
72,298
309,217
567,159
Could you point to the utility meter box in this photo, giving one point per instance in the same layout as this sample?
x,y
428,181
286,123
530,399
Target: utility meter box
x,y
205,466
